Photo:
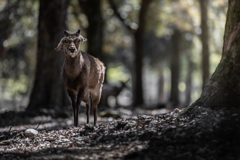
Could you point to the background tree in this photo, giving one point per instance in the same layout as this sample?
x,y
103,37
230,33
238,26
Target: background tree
x,y
189,78
138,48
17,46
175,66
205,42
48,90
6,25
92,10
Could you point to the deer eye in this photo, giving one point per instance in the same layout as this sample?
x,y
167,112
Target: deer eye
x,y
65,41
78,41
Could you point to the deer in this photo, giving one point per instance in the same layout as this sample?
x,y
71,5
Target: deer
x,y
82,74
109,90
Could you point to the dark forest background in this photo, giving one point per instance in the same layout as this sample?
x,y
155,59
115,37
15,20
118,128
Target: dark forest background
x,y
168,49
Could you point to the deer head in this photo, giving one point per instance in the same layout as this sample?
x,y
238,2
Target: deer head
x,y
71,43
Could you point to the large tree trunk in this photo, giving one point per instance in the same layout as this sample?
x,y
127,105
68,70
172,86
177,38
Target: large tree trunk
x,y
223,89
48,90
175,67
204,39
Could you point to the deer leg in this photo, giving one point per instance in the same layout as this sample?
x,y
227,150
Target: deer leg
x,y
88,106
95,114
116,99
87,112
80,96
94,107
76,112
73,99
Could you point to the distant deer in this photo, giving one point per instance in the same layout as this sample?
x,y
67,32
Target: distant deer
x,y
109,90
83,75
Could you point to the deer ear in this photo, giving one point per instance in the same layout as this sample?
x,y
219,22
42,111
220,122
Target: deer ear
x,y
60,45
78,32
66,33
83,39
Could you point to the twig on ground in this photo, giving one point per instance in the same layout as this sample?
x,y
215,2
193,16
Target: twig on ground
x,y
10,129
38,125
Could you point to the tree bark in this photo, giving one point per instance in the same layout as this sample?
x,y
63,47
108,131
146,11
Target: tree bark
x,y
48,90
175,67
205,42
223,89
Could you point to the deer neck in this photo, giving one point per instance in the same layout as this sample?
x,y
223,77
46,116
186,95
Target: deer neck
x,y
73,66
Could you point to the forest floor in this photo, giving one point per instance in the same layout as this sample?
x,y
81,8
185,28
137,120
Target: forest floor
x,y
140,134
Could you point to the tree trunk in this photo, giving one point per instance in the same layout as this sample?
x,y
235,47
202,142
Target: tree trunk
x,y
48,90
138,63
6,23
138,43
175,67
204,39
138,38
92,9
223,89
189,79
161,83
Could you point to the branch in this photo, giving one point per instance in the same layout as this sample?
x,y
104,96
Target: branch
x,y
38,125
114,7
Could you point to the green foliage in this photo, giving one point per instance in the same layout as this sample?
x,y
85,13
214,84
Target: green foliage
x,y
18,63
117,73
14,88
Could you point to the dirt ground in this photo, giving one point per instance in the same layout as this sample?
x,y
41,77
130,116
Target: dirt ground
x,y
139,134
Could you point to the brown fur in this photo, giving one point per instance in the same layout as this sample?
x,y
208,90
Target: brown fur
x,y
83,75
